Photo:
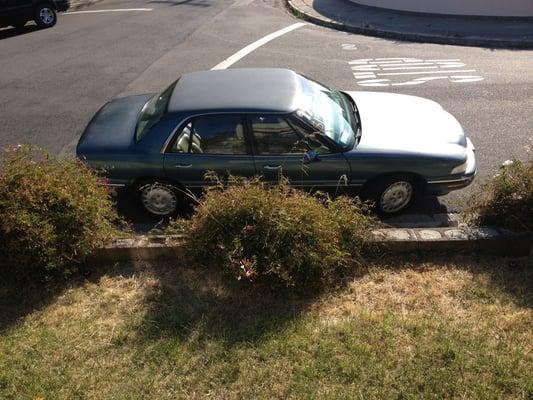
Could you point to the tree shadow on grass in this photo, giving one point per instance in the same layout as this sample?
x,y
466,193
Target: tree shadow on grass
x,y
186,300
21,298
200,302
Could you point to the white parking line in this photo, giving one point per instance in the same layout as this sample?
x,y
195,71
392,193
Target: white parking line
x,y
108,10
228,62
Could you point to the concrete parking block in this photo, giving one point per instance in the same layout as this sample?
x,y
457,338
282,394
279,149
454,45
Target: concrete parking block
x,y
429,234
398,234
481,240
457,234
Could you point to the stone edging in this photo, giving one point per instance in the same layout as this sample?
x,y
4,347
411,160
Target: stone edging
x,y
413,37
392,240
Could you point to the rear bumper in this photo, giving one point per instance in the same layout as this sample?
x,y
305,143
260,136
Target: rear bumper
x,y
444,185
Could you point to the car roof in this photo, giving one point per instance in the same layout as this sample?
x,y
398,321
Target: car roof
x,y
237,90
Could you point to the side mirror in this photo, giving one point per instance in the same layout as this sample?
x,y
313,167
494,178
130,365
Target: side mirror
x,y
311,156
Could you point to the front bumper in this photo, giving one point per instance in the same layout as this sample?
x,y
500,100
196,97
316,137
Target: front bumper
x,y
441,186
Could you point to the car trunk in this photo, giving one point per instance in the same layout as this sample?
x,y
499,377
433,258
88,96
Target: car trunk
x,y
112,128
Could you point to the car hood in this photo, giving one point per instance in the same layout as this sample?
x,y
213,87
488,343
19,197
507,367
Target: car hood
x,y
112,128
397,123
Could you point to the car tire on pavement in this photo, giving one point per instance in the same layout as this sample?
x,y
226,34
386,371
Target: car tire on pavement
x,y
393,195
159,199
45,15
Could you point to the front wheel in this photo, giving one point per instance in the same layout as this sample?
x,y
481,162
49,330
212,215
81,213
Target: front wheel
x,y
159,200
45,15
393,195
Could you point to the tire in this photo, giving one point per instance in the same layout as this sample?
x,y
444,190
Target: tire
x,y
393,195
159,199
45,15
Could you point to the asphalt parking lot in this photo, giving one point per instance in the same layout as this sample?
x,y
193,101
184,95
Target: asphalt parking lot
x,y
53,81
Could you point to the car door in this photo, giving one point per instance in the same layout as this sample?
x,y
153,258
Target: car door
x,y
16,8
279,149
209,143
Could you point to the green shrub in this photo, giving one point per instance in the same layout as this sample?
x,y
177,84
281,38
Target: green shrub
x,y
506,200
277,234
53,213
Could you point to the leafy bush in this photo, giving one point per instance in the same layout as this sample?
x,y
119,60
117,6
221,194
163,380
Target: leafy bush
x,y
53,212
507,199
277,234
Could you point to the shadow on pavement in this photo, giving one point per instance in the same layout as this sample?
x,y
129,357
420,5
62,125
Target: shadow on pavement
x,y
421,213
483,31
197,3
12,32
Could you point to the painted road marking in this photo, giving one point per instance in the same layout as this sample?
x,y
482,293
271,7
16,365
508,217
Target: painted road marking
x,y
397,71
228,62
348,46
109,10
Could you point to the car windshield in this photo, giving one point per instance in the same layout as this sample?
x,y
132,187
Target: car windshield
x,y
329,112
152,112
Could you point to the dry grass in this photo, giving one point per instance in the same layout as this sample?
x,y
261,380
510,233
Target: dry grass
x,y
459,328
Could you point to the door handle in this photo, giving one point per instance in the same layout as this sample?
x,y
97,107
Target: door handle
x,y
183,165
272,167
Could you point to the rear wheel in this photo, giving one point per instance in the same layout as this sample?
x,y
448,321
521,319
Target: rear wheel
x,y
159,199
45,15
393,195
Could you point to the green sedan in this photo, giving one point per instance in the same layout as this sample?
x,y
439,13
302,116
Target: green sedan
x,y
273,122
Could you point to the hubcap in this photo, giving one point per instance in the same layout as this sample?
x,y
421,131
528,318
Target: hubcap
x,y
396,196
47,15
159,199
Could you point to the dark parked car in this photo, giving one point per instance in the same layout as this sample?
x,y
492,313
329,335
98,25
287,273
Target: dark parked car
x,y
269,122
17,12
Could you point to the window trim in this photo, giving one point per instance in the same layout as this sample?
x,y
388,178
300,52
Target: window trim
x,y
167,146
255,151
173,132
292,121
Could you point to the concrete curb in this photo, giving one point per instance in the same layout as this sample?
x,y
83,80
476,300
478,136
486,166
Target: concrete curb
x,y
77,4
405,36
482,240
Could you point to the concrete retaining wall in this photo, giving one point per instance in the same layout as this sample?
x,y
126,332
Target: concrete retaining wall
x,y
500,8
390,240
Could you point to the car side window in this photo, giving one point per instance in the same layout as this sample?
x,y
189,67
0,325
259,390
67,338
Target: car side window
x,y
274,135
211,134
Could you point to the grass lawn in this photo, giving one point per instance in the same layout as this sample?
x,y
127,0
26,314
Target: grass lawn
x,y
458,327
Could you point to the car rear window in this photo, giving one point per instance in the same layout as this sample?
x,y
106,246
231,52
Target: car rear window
x,y
153,111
